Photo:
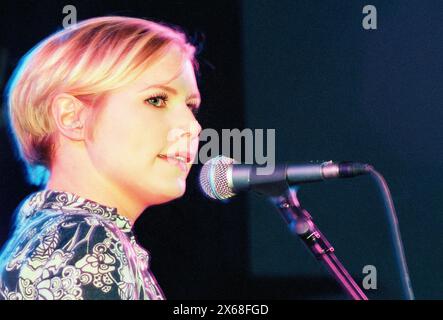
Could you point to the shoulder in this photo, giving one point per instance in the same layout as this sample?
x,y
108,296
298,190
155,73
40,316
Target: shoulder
x,y
50,229
81,226
71,256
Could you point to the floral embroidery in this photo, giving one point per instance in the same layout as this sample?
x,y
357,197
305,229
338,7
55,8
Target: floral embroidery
x,y
69,248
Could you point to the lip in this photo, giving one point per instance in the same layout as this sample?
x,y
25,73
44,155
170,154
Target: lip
x,y
185,155
183,166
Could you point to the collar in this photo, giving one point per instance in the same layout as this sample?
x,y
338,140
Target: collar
x,y
66,201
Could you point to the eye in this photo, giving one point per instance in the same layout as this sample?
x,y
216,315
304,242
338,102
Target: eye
x,y
157,100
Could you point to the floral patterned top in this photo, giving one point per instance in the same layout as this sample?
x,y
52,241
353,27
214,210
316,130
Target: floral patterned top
x,y
68,247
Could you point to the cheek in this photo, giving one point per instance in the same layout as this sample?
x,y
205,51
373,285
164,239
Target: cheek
x,y
130,140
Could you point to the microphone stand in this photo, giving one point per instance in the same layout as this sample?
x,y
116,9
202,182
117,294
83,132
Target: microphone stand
x,y
300,222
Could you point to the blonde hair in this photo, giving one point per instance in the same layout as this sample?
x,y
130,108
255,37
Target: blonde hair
x,y
86,60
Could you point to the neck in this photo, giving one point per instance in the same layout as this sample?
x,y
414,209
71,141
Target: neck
x,y
89,184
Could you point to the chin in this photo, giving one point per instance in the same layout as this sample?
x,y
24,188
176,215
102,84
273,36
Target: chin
x,y
168,193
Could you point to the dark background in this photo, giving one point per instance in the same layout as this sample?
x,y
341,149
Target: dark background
x,y
332,91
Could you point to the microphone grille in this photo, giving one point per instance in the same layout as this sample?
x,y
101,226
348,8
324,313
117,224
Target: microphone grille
x,y
214,178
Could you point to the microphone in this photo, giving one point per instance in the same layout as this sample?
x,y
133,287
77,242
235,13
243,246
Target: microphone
x,y
221,178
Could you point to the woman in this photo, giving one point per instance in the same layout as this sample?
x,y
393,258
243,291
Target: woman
x,y
103,114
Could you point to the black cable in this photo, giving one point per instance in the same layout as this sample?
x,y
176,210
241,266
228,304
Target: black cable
x,y
395,232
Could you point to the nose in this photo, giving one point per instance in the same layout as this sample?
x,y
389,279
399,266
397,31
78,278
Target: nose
x,y
184,126
194,129
186,123
191,130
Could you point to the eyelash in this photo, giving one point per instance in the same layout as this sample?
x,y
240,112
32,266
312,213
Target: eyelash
x,y
164,97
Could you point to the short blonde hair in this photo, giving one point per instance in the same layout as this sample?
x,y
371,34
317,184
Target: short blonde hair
x,y
85,60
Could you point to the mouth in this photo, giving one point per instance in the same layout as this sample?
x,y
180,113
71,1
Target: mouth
x,y
180,160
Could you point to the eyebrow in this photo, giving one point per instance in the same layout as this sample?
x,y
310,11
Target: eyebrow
x,y
172,91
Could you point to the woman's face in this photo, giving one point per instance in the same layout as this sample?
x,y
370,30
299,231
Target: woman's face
x,y
143,125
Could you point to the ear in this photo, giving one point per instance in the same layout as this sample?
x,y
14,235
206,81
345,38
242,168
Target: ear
x,y
69,115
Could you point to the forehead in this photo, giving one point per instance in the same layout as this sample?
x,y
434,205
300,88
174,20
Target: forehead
x,y
173,68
